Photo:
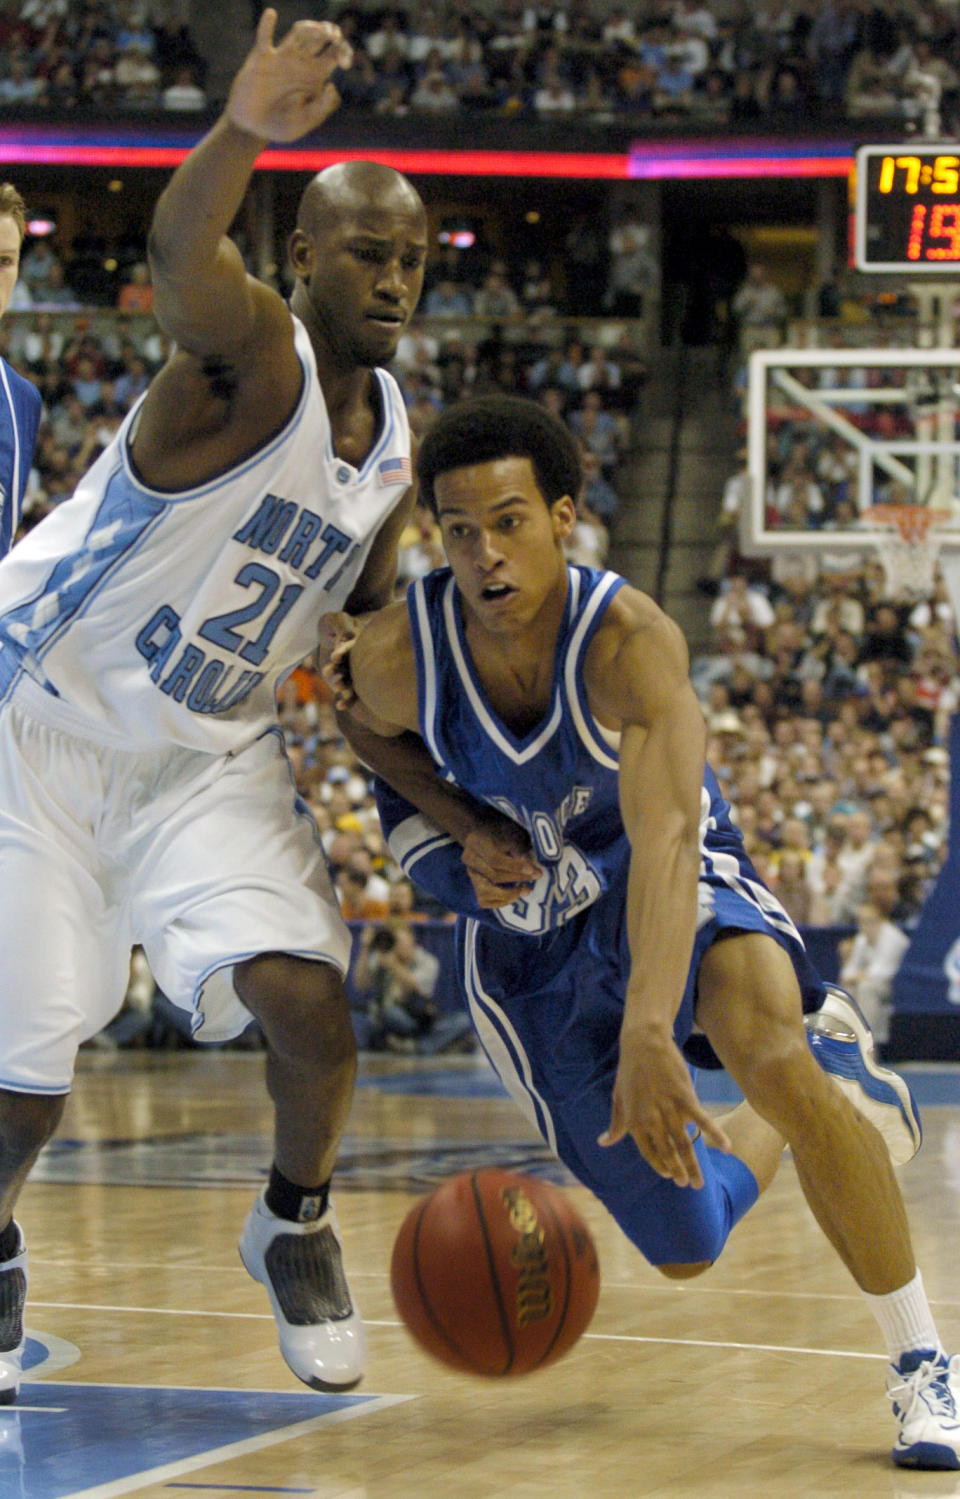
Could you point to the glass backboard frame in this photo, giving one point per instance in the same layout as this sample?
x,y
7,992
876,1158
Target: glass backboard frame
x,y
756,537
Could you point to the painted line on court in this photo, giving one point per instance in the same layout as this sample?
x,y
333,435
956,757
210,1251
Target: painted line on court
x,y
232,1450
618,1337
396,1324
186,1267
263,1488
149,1311
242,1488
727,1291
193,1267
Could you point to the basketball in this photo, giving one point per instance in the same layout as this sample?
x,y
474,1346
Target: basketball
x,y
495,1273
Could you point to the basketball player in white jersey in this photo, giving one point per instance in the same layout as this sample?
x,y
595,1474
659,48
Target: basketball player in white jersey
x,y
144,626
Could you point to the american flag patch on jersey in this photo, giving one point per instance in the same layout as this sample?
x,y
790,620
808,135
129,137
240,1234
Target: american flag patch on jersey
x,y
395,471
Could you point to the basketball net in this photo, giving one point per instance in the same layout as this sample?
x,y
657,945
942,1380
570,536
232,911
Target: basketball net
x,y
907,543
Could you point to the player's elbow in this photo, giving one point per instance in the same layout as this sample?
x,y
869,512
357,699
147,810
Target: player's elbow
x,y
161,254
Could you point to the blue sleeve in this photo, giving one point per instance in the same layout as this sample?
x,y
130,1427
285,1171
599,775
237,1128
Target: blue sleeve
x,y
29,422
428,856
34,415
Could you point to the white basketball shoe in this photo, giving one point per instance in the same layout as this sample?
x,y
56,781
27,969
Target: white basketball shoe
x,y
924,1388
13,1297
301,1265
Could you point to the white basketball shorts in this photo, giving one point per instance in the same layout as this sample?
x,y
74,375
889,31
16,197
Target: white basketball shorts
x,y
204,860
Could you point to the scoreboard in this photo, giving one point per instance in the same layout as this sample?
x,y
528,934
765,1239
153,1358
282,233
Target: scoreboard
x,y
907,208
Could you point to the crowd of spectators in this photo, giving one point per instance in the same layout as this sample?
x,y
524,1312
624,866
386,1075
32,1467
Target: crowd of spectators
x,y
90,369
715,61
830,682
95,56
828,704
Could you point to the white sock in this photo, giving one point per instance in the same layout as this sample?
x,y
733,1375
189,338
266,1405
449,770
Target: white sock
x,y
905,1319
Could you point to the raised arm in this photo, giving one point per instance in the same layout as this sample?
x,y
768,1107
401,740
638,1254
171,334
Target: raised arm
x,y
235,376
203,296
637,675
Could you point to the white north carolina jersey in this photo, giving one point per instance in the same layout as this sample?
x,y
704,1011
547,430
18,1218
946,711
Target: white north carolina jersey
x,y
153,617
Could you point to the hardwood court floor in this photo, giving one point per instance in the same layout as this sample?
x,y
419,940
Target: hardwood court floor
x,y
155,1368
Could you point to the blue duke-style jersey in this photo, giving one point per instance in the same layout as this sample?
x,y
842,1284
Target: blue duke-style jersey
x,y
559,781
20,411
153,618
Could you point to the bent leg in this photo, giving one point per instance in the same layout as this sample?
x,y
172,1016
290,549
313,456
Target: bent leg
x,y
302,1009
749,1006
552,1035
755,1145
680,1231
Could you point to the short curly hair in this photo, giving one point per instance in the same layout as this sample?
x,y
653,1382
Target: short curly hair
x,y
13,207
485,428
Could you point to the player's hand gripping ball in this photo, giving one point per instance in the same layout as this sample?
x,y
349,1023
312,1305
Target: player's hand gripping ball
x,y
495,1273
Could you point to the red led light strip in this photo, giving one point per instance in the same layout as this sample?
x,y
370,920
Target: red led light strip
x,y
638,164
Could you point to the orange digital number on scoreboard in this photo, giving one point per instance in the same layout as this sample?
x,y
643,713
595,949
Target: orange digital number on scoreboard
x,y
945,224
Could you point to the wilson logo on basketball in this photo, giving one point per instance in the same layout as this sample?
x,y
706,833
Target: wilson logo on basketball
x,y
534,1296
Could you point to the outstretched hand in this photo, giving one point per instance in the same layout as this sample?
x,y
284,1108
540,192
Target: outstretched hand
x,y
282,93
654,1101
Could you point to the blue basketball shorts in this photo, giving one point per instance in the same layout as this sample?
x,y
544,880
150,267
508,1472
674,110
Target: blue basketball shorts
x,y
548,1012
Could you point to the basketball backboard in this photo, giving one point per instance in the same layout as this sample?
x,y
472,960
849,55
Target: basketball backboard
x,y
871,428
833,433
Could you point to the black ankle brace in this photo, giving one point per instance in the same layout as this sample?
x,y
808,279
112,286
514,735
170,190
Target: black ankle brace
x,y
9,1241
297,1204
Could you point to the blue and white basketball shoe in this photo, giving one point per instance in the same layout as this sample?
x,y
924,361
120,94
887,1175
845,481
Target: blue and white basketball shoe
x,y
924,1388
842,1042
13,1296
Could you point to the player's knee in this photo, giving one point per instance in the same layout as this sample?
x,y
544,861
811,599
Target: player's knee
x,y
683,1272
27,1121
679,1230
301,1007
779,1078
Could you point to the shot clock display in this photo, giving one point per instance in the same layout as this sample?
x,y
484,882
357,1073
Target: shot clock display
x,y
908,208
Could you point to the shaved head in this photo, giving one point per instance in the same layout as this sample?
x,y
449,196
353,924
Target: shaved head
x,y
358,253
350,187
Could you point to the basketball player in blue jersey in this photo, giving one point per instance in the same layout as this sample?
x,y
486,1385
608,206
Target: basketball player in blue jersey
x,y
621,921
145,797
20,404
